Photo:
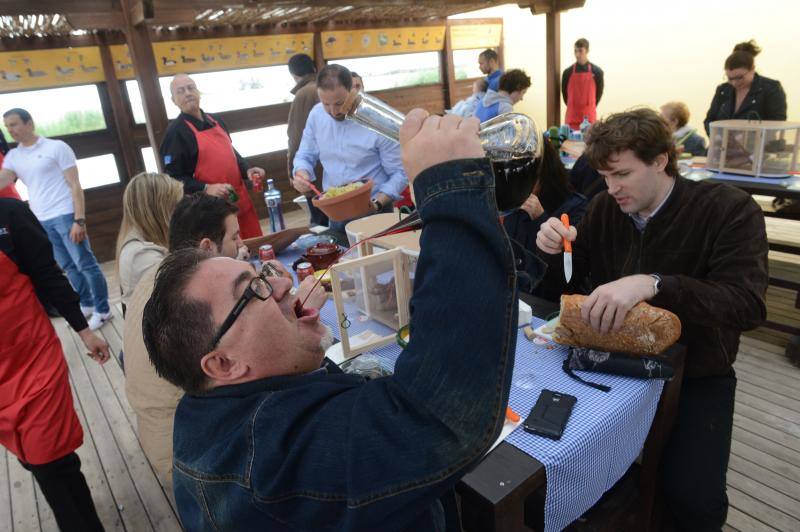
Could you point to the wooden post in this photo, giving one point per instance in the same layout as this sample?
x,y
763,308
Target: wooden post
x,y
319,59
553,55
123,121
448,70
144,62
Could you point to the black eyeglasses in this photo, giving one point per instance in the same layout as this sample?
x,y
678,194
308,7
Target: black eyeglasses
x,y
258,288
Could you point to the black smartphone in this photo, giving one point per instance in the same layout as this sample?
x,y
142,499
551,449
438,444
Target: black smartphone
x,y
550,414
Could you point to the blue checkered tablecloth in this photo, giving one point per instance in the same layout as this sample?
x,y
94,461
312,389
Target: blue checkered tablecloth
x,y
605,433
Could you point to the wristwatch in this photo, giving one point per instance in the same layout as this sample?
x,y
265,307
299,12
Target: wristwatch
x,y
80,221
376,205
656,283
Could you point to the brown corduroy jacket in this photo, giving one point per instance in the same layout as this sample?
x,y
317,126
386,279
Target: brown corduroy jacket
x,y
709,245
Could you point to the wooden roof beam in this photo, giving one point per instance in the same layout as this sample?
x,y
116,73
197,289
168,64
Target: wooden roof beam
x,y
540,7
201,5
26,7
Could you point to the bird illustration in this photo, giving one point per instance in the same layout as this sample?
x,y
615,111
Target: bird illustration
x,y
36,73
167,62
206,58
123,66
330,40
383,40
224,57
257,53
9,76
188,59
242,56
411,42
274,52
289,51
89,68
64,71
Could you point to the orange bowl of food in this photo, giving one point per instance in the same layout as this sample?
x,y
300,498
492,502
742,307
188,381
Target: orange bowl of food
x,y
346,202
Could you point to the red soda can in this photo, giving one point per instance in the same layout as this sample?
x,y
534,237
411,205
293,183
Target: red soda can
x,y
266,253
304,269
258,182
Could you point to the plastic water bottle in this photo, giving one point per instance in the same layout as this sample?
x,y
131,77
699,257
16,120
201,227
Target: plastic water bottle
x,y
585,125
272,197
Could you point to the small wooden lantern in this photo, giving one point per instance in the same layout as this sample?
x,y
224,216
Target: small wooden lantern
x,y
377,287
764,148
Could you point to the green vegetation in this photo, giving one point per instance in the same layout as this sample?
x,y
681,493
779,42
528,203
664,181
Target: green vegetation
x,y
424,77
461,73
69,123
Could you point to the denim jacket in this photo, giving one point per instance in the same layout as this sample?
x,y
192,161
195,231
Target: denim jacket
x,y
331,452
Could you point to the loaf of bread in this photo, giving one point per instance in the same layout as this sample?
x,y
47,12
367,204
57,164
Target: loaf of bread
x,y
647,330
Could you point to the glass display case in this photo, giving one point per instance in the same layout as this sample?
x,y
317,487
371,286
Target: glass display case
x,y
371,295
756,148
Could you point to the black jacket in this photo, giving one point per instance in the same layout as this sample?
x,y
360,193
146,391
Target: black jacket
x,y
598,79
764,101
709,244
24,241
179,151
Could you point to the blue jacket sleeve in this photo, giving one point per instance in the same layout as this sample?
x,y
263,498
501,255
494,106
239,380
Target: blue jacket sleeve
x,y
402,441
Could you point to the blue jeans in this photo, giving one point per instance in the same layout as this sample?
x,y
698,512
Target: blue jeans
x,y
78,262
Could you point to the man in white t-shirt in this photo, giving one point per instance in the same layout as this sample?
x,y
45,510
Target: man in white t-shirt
x,y
49,170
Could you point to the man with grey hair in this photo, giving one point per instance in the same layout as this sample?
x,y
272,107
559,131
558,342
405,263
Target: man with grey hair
x,y
197,150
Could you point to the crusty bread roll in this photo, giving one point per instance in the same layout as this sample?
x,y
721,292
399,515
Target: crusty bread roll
x,y
647,330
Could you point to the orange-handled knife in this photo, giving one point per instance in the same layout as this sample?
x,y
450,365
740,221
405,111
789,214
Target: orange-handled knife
x,y
567,250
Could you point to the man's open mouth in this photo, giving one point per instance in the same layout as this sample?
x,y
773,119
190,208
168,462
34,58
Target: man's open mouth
x,y
305,313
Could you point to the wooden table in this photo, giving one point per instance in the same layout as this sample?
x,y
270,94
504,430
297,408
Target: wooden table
x,y
493,494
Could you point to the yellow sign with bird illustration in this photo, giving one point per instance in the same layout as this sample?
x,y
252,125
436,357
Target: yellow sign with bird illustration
x,y
207,55
363,43
36,69
469,36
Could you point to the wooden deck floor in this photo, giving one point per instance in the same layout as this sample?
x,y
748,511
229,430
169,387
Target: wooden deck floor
x,y
763,476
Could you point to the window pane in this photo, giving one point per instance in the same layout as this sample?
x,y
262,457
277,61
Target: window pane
x,y
262,140
465,63
149,157
98,171
225,91
60,111
390,71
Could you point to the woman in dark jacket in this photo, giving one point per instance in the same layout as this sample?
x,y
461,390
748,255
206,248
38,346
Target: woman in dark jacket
x,y
746,95
553,195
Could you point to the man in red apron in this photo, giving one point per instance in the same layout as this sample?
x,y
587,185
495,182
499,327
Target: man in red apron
x,y
38,423
582,87
197,150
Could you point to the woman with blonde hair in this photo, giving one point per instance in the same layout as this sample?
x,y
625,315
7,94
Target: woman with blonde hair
x,y
147,207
